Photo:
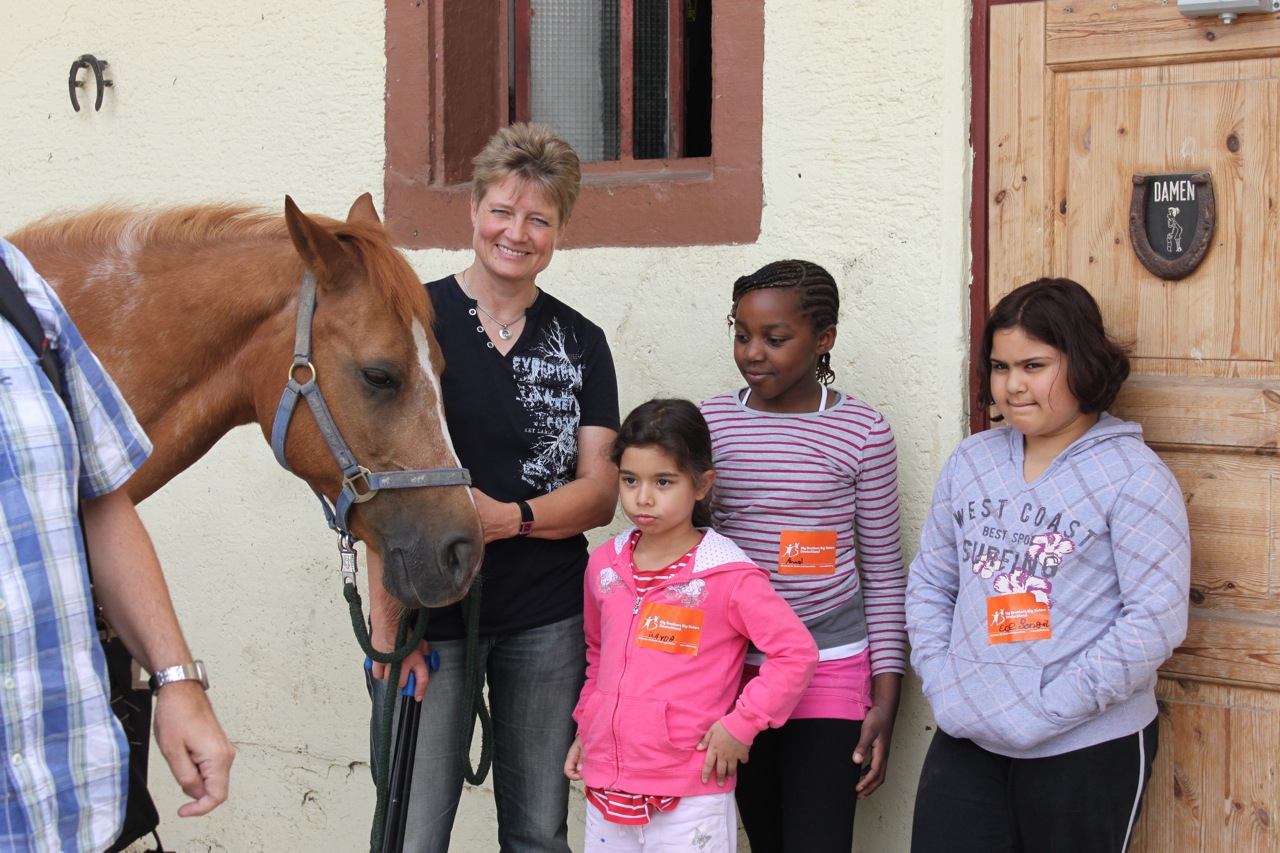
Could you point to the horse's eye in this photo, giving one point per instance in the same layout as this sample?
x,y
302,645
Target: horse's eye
x,y
379,379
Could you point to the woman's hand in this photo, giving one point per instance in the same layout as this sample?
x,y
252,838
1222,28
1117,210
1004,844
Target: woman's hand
x,y
415,662
499,520
384,619
586,502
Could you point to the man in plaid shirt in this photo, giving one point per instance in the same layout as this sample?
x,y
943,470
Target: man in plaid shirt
x,y
64,754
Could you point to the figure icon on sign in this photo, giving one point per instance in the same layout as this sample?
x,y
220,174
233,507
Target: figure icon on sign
x,y
1173,240
650,623
792,550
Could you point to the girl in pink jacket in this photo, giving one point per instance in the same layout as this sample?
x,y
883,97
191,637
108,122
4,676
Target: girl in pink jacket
x,y
670,609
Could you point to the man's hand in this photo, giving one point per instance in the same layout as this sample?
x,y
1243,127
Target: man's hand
x,y
130,587
194,745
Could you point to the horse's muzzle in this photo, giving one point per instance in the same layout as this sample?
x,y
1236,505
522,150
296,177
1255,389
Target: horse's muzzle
x,y
436,571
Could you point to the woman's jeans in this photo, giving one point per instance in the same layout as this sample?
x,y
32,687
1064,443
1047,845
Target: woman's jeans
x,y
534,679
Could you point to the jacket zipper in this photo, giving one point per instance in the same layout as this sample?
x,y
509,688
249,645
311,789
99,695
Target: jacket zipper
x,y
622,674
626,660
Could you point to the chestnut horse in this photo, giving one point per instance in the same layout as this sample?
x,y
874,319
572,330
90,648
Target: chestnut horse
x,y
193,313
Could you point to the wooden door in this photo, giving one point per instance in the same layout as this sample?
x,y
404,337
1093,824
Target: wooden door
x,y
1084,95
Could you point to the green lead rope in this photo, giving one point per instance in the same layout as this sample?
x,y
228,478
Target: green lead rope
x,y
405,643
473,704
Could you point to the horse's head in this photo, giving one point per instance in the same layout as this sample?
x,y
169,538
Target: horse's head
x,y
377,364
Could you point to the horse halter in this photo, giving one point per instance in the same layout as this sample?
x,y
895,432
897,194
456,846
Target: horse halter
x,y
353,473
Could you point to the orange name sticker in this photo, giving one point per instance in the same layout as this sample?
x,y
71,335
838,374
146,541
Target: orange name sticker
x,y
1016,617
668,628
807,552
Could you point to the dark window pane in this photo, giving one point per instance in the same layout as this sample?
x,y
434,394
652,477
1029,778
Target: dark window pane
x,y
651,64
609,71
697,78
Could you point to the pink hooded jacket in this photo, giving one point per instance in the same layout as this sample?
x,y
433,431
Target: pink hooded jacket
x,y
643,709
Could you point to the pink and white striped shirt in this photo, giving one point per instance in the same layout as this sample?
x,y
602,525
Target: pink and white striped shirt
x,y
835,469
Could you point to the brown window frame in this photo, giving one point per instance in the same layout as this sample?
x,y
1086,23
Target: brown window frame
x,y
447,92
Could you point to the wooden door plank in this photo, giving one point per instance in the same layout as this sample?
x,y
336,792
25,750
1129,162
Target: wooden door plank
x,y
1174,808
1096,33
1220,648
1249,769
1230,504
1018,177
1237,414
1213,787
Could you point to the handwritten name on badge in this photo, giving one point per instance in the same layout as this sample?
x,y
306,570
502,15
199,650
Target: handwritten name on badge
x,y
667,628
807,552
1016,617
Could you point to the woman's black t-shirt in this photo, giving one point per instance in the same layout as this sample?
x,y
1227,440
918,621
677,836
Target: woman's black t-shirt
x,y
514,422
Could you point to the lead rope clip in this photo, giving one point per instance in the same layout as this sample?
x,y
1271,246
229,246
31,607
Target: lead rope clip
x,y
347,555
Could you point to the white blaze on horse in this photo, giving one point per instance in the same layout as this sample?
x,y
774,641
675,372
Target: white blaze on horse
x,y
193,312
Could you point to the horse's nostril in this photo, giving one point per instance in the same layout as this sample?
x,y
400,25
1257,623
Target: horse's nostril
x,y
458,555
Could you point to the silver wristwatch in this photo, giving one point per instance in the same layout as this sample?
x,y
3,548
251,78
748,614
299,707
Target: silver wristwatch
x,y
193,671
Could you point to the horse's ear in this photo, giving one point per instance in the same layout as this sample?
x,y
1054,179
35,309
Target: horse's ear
x,y
363,210
321,251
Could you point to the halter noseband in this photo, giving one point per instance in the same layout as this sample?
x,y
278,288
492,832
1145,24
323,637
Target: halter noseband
x,y
353,473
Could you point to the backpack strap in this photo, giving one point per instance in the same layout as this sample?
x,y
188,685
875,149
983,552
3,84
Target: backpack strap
x,y
15,308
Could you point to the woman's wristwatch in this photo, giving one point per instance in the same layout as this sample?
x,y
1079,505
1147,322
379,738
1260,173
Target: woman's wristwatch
x,y
526,518
193,671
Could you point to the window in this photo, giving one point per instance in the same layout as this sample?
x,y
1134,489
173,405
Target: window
x,y
662,165
643,98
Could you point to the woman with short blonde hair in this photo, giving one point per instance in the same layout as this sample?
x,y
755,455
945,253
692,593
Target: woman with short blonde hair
x,y
531,400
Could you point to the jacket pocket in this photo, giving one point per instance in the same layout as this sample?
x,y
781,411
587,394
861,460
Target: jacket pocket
x,y
647,743
589,713
597,734
995,705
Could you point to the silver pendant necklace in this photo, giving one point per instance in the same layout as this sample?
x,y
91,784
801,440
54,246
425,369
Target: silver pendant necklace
x,y
504,329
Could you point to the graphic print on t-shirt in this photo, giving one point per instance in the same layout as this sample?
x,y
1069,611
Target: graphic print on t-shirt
x,y
548,380
1016,561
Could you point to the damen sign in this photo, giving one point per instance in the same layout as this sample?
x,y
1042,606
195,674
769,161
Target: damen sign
x,y
1171,219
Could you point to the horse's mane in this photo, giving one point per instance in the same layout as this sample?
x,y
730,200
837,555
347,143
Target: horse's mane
x,y
111,229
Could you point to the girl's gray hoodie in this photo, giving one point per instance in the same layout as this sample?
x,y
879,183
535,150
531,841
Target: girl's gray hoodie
x,y
1101,537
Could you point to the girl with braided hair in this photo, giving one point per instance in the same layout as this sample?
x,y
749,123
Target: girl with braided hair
x,y
807,487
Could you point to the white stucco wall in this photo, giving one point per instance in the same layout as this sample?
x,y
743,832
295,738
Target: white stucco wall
x,y
866,170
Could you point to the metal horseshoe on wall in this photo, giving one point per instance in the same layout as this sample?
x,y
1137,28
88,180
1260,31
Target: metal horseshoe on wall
x,y
88,61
